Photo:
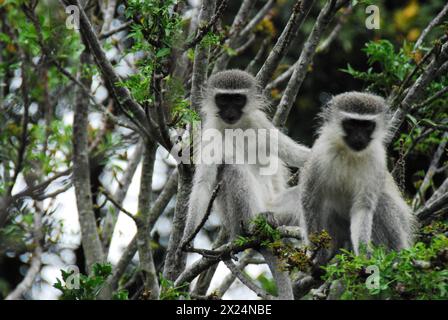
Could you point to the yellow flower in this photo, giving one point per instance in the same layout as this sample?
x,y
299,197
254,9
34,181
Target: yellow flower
x,y
413,34
411,10
266,26
10,47
404,17
417,56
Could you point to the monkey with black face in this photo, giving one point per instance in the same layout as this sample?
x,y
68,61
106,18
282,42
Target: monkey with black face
x,y
232,104
345,187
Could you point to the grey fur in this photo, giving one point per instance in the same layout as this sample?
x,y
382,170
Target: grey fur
x,y
351,194
244,193
232,80
358,102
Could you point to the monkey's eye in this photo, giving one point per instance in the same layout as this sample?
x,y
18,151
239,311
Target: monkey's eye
x,y
370,126
224,100
350,125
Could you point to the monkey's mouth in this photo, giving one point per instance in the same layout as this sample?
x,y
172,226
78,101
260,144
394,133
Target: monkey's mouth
x,y
357,144
231,117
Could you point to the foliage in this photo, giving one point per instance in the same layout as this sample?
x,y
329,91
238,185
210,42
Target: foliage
x,y
88,287
293,258
170,292
420,272
267,284
387,68
388,71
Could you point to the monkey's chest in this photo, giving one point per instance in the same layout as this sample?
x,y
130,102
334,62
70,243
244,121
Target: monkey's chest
x,y
342,183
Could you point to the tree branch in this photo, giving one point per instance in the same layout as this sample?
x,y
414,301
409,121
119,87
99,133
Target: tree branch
x,y
434,22
142,220
420,195
201,58
36,261
81,180
247,282
176,259
305,59
298,16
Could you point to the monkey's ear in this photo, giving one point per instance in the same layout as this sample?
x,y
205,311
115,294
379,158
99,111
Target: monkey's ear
x,y
324,98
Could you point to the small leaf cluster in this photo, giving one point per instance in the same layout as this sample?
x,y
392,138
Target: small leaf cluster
x,y
387,68
420,272
294,258
168,291
89,286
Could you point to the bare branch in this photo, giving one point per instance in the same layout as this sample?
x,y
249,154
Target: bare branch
x,y
81,179
201,58
298,16
159,205
204,218
205,278
420,195
435,205
205,28
251,67
258,17
434,22
305,59
247,282
324,45
211,257
120,28
142,220
417,89
438,193
116,203
432,98
36,261
229,279
121,94
120,194
233,40
175,258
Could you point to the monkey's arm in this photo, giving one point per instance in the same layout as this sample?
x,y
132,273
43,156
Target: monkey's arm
x,y
203,184
361,218
291,152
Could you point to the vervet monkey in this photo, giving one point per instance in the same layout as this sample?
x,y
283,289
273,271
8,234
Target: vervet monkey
x,y
345,187
233,105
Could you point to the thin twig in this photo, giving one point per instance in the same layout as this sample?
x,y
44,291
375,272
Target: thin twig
x,y
258,17
120,28
434,22
436,205
305,59
204,218
247,282
298,16
116,203
204,29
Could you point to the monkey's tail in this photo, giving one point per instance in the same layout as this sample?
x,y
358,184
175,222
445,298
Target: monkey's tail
x,y
284,286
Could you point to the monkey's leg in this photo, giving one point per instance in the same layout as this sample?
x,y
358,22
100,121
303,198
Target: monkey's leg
x,y
203,184
393,223
286,207
240,199
316,218
361,221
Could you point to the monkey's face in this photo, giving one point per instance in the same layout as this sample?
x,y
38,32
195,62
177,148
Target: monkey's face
x,y
230,106
358,133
